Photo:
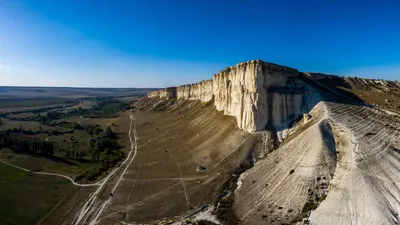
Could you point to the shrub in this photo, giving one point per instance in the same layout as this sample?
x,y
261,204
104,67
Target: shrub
x,y
308,206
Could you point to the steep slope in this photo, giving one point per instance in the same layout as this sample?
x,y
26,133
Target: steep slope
x,y
276,189
366,188
186,152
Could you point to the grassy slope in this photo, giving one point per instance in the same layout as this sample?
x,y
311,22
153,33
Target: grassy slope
x,y
16,103
26,198
39,163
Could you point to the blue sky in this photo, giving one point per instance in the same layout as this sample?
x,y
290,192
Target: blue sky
x,y
151,43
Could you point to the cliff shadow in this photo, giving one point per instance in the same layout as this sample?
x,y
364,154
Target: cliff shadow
x,y
313,92
335,89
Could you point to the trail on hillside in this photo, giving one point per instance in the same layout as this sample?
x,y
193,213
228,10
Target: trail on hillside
x,y
53,174
133,146
181,175
91,206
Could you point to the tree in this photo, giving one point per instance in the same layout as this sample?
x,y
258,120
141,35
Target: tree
x,y
109,133
67,154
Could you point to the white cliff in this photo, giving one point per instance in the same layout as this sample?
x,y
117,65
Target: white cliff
x,y
262,96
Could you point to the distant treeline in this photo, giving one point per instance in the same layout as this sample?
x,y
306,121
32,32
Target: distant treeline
x,y
34,132
24,144
104,108
42,109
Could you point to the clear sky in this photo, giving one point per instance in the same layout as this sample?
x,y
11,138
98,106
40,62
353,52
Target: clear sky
x,y
157,43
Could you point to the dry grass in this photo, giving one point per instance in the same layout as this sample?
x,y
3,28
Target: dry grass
x,y
85,104
164,179
10,124
103,122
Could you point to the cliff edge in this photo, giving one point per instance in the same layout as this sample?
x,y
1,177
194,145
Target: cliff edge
x,y
262,96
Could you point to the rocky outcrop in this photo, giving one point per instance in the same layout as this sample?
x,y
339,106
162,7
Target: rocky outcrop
x,y
163,93
202,91
262,96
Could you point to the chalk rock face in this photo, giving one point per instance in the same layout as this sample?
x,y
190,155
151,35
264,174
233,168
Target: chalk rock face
x,y
262,96
202,91
163,93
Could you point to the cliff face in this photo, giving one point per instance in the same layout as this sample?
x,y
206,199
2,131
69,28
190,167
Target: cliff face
x,y
262,96
202,91
163,93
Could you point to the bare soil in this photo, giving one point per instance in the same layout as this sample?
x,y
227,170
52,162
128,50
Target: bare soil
x,y
164,179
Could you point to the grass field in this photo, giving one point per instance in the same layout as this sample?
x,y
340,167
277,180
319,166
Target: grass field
x,y
85,104
25,197
21,115
10,124
39,163
17,103
103,122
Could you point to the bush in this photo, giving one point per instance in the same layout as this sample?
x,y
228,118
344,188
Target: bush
x,y
310,205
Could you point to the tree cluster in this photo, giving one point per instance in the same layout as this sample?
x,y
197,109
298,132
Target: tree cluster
x,y
102,141
33,145
105,151
34,132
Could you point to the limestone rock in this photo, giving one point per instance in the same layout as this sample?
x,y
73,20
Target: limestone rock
x,y
262,96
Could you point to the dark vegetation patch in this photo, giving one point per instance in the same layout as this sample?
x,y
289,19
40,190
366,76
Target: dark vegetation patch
x,y
31,102
105,152
226,198
371,133
396,149
204,222
309,206
21,143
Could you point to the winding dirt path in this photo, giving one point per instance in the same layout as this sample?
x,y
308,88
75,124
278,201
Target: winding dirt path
x,y
181,177
53,174
93,208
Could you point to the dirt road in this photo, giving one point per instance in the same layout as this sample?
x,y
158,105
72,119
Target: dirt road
x,y
94,206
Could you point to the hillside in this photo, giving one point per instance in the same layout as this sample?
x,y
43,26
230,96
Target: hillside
x,y
327,142
259,143
381,93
